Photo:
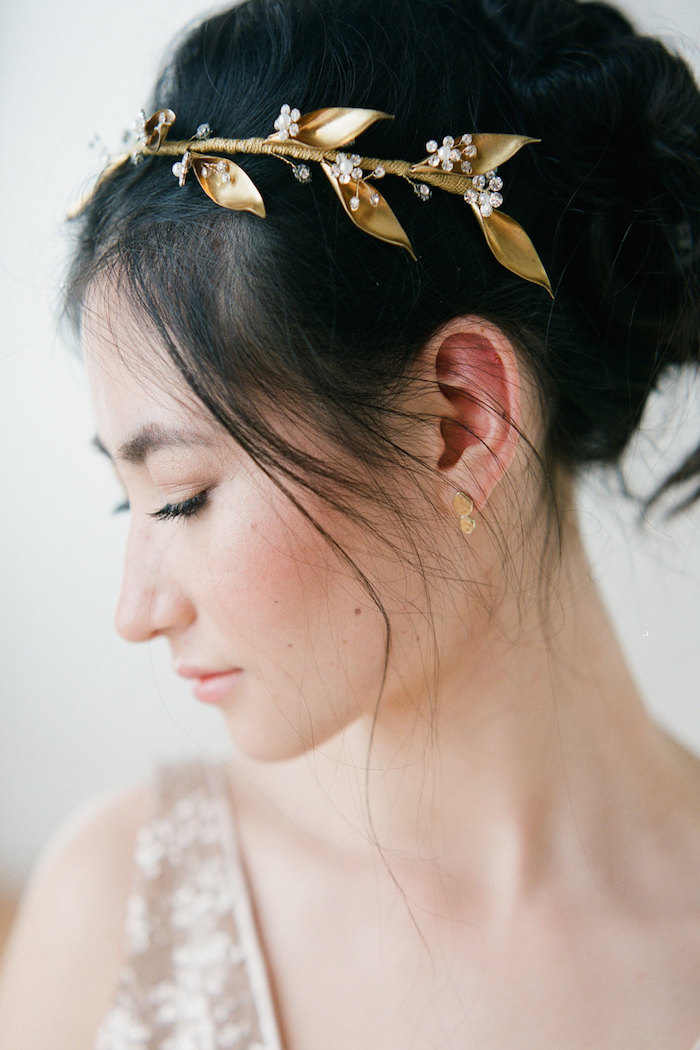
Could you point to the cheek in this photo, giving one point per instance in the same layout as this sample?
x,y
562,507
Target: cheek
x,y
276,587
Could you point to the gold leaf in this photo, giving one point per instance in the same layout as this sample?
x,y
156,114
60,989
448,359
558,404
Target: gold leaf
x,y
378,220
462,504
228,185
512,247
157,127
493,150
335,127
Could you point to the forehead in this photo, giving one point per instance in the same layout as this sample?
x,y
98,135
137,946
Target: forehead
x,y
133,382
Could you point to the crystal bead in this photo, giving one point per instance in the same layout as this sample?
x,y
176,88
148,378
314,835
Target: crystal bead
x,y
302,173
479,182
471,196
466,140
295,114
356,160
424,191
225,177
434,160
379,172
470,150
285,109
357,173
455,154
448,141
496,200
345,179
354,203
496,183
467,167
221,166
178,169
484,198
431,146
485,209
335,171
447,165
202,132
293,129
204,172
374,199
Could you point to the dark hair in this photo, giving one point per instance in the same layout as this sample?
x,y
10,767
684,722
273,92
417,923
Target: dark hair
x,y
305,304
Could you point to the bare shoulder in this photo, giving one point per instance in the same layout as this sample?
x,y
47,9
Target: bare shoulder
x,y
64,955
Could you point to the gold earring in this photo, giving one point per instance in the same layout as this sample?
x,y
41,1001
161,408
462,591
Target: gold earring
x,y
464,506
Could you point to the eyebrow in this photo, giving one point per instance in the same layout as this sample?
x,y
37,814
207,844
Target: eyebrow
x,y
149,439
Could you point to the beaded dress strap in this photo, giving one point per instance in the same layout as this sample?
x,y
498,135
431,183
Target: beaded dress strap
x,y
193,974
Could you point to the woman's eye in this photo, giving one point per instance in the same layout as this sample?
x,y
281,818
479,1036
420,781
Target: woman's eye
x,y
187,509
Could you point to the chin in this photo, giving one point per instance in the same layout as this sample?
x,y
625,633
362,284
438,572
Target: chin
x,y
272,740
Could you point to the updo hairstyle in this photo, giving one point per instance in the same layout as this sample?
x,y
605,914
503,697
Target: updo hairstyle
x,y
303,312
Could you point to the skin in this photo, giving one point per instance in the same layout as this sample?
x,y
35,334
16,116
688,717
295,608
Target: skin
x,y
519,858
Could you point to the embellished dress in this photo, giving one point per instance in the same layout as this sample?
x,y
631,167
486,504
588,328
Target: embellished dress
x,y
194,976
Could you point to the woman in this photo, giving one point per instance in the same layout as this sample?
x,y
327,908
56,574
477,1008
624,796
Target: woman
x,y
348,420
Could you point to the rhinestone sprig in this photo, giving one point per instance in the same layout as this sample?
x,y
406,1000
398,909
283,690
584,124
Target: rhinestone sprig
x,y
485,192
346,169
451,153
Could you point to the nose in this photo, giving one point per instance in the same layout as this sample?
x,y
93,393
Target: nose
x,y
152,600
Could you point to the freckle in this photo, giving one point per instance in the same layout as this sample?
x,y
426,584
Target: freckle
x,y
289,645
358,612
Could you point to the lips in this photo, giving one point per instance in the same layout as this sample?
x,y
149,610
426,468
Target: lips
x,y
211,687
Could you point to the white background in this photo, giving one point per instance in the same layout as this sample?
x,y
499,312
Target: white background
x,y
81,710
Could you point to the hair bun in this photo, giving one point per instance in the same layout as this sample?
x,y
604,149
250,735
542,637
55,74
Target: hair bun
x,y
619,172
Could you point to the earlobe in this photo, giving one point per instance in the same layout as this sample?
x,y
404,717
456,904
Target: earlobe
x,y
476,371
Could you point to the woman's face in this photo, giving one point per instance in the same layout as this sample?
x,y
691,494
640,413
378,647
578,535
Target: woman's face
x,y
259,611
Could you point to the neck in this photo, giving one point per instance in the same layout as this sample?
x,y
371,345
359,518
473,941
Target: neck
x,y
522,766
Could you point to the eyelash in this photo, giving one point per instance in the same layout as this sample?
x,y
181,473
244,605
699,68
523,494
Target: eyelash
x,y
186,509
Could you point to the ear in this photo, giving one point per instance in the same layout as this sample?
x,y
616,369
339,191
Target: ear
x,y
473,370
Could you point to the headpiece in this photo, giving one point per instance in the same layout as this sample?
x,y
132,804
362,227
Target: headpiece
x,y
466,165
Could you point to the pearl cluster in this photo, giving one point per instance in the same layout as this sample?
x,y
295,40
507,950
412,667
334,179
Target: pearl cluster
x,y
346,168
286,124
451,153
485,192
